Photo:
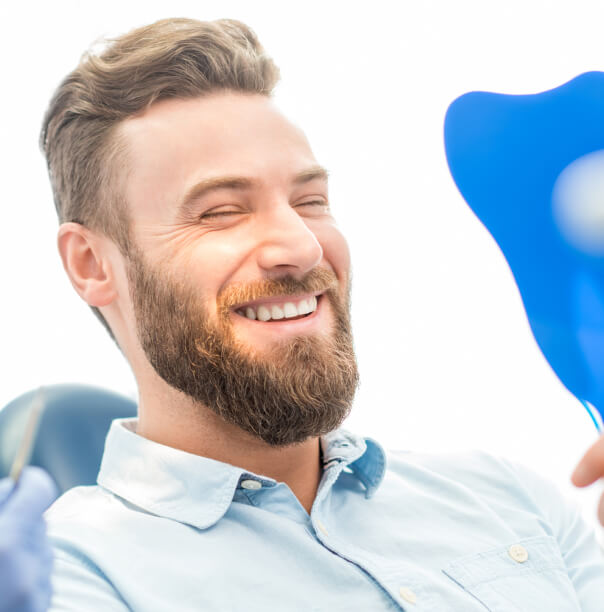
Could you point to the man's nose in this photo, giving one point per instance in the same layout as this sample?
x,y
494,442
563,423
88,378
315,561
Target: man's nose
x,y
286,244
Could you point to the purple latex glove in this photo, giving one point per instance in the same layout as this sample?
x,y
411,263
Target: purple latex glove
x,y
25,553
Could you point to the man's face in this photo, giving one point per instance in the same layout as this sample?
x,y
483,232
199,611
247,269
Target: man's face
x,y
230,226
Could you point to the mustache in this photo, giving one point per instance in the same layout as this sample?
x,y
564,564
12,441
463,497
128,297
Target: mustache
x,y
317,280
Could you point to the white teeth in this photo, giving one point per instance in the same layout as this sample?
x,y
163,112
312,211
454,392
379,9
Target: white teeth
x,y
303,307
263,313
289,310
277,312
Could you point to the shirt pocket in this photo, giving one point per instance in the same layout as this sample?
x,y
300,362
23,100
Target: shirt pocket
x,y
526,575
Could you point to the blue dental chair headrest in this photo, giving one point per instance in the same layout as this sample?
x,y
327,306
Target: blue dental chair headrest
x,y
72,431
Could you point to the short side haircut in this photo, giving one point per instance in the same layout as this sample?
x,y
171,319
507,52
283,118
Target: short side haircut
x,y
171,58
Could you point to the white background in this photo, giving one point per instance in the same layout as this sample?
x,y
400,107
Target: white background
x,y
446,354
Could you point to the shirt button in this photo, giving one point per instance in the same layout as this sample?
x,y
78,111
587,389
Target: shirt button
x,y
408,595
518,553
251,484
322,527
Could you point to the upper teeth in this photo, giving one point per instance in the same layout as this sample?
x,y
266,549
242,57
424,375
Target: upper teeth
x,y
285,310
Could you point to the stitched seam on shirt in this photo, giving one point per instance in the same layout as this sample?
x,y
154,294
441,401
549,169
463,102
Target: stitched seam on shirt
x,y
520,573
373,572
160,508
465,589
500,552
143,502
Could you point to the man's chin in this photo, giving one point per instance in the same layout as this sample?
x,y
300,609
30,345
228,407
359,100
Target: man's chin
x,y
281,381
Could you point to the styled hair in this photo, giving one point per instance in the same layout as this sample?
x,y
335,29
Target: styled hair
x,y
171,58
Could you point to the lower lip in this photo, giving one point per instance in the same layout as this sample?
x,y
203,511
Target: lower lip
x,y
283,326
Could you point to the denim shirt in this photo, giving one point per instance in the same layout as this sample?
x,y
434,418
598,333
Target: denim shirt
x,y
166,530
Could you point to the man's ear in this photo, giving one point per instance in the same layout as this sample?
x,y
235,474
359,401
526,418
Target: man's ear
x,y
87,264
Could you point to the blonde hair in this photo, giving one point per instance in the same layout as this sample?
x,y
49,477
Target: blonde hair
x,y
171,58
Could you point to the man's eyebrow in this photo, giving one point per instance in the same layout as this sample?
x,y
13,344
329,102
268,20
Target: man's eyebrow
x,y
310,174
208,185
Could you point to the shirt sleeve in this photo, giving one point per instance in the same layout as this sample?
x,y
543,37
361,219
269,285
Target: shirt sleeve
x,y
79,585
577,540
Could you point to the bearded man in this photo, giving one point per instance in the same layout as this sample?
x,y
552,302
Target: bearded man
x,y
195,221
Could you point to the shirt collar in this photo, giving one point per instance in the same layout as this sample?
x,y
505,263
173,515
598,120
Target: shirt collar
x,y
197,490
364,456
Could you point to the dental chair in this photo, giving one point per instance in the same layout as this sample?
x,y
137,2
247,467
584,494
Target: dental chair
x,y
71,435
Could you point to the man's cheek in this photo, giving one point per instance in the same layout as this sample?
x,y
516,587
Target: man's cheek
x,y
336,253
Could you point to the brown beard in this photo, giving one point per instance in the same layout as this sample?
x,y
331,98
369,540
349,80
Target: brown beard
x,y
302,387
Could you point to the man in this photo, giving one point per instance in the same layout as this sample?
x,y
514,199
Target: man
x,y
195,220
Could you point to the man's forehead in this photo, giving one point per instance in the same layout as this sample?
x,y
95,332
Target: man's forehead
x,y
226,114
177,143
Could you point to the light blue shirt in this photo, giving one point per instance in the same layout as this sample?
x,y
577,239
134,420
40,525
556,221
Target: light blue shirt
x,y
166,530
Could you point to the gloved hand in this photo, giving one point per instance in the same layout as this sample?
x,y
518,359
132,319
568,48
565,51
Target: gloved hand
x,y
25,553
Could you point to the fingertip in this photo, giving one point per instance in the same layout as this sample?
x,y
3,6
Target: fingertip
x,y
581,477
41,480
35,490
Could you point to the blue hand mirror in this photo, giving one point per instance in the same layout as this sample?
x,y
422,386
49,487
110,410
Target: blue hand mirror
x,y
531,167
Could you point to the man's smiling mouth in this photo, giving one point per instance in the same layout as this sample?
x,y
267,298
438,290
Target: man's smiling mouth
x,y
279,309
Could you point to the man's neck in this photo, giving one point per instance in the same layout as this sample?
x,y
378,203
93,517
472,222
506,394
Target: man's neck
x,y
172,419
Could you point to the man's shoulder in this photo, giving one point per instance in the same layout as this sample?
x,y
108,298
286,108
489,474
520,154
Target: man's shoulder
x,y
85,504
76,496
477,469
454,462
